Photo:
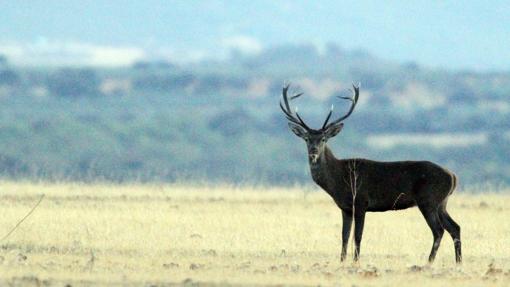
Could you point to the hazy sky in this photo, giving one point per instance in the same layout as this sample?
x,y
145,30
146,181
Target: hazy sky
x,y
450,34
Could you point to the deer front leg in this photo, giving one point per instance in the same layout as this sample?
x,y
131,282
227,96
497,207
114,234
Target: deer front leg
x,y
346,232
359,222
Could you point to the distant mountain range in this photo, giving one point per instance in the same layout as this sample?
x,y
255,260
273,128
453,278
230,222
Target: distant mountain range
x,y
219,120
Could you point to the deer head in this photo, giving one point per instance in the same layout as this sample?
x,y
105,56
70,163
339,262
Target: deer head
x,y
315,139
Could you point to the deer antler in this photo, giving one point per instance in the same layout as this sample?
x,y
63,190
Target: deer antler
x,y
287,111
354,101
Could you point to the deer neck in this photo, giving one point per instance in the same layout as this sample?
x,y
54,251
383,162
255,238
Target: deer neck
x,y
321,170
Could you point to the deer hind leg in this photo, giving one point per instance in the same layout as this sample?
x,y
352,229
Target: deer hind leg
x,y
433,221
453,228
346,232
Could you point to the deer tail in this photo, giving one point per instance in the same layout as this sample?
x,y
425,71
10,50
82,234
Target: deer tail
x,y
454,183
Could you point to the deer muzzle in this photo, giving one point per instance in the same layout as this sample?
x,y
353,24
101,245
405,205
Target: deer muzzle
x,y
314,157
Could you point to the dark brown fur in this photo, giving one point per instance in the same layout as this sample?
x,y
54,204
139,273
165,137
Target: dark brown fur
x,y
384,186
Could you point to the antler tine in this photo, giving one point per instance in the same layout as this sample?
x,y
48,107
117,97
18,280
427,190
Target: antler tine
x,y
287,111
353,99
302,122
289,116
296,96
285,99
327,118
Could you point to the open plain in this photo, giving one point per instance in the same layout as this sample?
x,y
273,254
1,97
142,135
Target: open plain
x,y
165,235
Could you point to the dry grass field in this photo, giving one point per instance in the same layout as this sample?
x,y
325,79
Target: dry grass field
x,y
164,235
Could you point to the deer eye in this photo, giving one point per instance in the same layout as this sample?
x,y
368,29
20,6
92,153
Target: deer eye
x,y
323,139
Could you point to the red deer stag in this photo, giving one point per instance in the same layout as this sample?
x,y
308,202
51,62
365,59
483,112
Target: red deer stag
x,y
361,185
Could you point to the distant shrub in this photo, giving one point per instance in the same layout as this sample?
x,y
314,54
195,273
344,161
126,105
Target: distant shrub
x,y
74,83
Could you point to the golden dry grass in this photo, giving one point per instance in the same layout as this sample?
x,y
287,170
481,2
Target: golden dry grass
x,y
168,234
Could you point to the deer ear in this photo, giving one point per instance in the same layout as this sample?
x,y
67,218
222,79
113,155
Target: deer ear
x,y
334,130
297,129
